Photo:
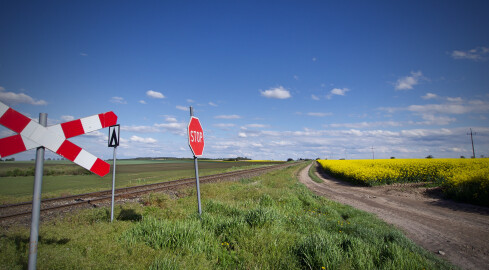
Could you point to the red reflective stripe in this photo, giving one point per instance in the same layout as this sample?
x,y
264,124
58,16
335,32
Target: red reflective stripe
x,y
100,167
72,128
69,150
14,120
108,119
11,145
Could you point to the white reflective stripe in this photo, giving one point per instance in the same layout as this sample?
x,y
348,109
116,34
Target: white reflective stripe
x,y
30,129
85,159
48,139
58,130
29,144
41,135
91,123
3,109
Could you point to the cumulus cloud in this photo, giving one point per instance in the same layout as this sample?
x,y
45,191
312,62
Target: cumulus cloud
x,y
337,92
256,126
154,94
408,82
429,96
182,108
16,98
319,114
118,100
135,138
477,54
224,125
140,129
277,92
174,127
232,116
67,118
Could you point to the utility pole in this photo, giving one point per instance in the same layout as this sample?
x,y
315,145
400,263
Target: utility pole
x,y
373,155
472,140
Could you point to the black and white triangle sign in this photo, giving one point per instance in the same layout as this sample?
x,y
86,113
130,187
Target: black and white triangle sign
x,y
114,133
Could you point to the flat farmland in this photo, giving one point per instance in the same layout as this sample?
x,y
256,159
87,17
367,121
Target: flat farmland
x,y
62,178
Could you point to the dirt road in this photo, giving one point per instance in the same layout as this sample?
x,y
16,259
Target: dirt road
x,y
457,232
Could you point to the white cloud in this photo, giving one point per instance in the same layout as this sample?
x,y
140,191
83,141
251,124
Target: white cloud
x,y
242,135
224,125
429,96
407,83
277,92
366,124
118,100
319,114
456,99
16,98
140,129
83,54
477,54
182,108
142,140
232,116
190,100
337,91
256,126
67,118
314,97
154,94
142,101
440,108
175,128
213,104
170,119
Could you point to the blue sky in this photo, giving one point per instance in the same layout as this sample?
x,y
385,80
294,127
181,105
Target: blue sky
x,y
268,79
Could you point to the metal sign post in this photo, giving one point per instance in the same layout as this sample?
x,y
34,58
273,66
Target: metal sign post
x,y
114,135
36,199
196,143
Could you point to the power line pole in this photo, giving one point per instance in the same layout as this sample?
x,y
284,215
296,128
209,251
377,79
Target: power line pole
x,y
472,140
373,155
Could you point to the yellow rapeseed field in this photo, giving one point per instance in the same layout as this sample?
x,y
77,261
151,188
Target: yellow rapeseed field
x,y
464,179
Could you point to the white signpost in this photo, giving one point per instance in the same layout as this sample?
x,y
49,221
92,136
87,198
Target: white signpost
x,y
196,144
114,138
32,134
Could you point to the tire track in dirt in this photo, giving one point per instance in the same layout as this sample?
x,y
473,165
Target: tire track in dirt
x,y
459,231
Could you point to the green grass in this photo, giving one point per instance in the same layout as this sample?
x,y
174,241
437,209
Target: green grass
x,y
312,172
67,180
266,222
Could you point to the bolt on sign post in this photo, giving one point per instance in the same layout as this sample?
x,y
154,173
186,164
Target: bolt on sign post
x,y
114,135
196,144
32,134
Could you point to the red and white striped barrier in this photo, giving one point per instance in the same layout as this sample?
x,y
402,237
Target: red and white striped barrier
x,y
32,135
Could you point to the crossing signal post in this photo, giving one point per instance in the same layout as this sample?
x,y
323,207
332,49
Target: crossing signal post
x,y
32,134
114,138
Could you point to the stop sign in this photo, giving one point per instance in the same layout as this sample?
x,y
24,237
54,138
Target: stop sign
x,y
195,136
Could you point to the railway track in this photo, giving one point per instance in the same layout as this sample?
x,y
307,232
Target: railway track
x,y
12,211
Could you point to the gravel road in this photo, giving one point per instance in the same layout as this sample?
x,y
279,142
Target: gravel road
x,y
455,231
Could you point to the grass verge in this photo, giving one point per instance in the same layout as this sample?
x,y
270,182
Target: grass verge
x,y
312,172
266,222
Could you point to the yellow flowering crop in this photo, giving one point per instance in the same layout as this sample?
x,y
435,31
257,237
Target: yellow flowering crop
x,y
465,179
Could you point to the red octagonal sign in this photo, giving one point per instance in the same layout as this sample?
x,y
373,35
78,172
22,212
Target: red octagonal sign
x,y
195,136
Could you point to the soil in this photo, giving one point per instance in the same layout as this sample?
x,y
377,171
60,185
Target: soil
x,y
455,231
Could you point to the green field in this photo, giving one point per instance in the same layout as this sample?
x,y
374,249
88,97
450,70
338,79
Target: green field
x,y
266,222
65,178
